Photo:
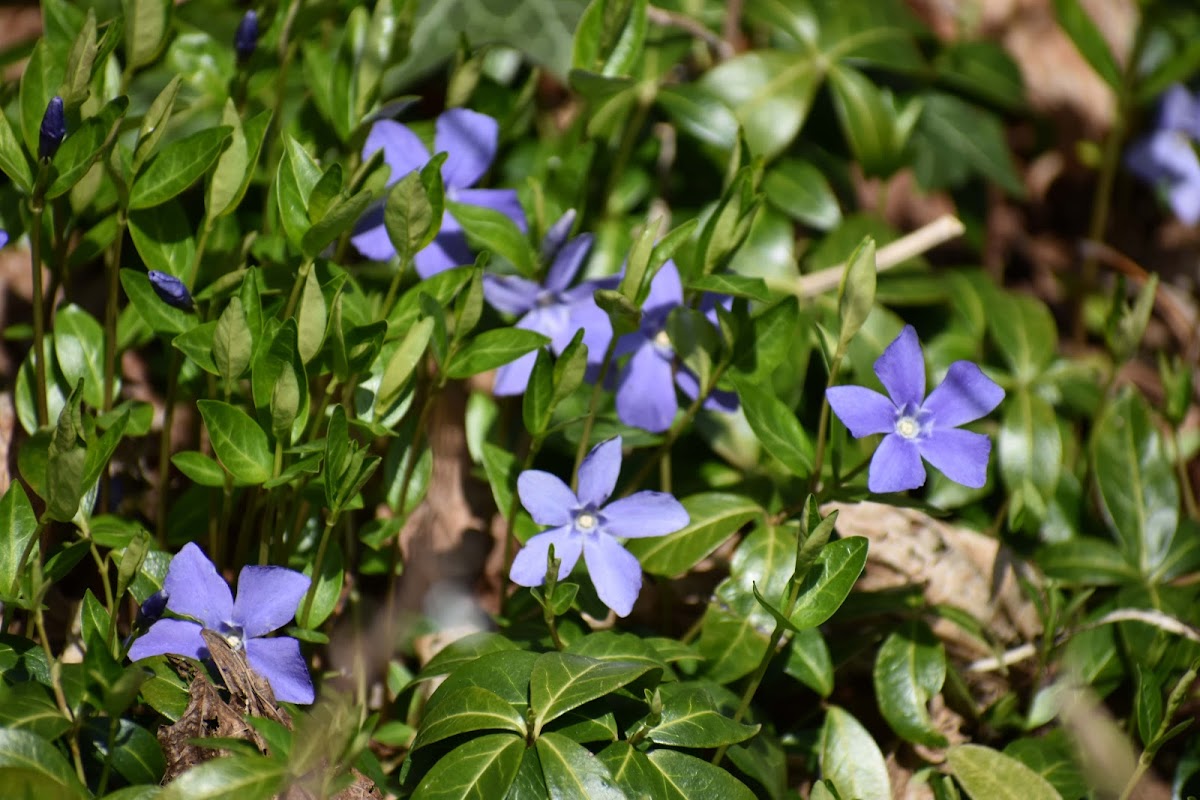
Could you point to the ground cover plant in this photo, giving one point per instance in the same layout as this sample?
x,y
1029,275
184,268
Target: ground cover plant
x,y
610,399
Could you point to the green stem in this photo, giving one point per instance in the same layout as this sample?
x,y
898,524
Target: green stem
x,y
287,50
590,420
318,564
110,313
266,542
60,697
823,424
164,443
1185,481
1174,701
39,303
297,287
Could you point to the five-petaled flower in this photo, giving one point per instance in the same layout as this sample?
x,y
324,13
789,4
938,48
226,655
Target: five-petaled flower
x,y
170,290
551,308
646,384
918,426
583,524
469,139
1167,157
266,599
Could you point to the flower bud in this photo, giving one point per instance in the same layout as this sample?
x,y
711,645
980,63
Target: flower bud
x,y
171,290
153,608
246,38
53,131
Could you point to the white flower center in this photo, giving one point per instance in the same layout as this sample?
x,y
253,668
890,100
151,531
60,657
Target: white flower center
x,y
908,427
234,640
585,521
661,339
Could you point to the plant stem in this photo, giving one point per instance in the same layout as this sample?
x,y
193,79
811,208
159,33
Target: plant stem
x,y
110,313
297,287
590,420
318,565
39,307
164,443
1174,701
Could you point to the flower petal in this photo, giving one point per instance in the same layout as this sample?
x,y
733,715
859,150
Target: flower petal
x,y
177,636
965,395
567,262
403,150
547,499
896,466
3,238
901,368
645,514
511,294
503,200
1185,200
267,598
717,400
513,378
615,572
1179,111
469,139
529,566
194,589
863,411
446,251
961,455
597,329
371,237
666,291
646,391
280,662
598,473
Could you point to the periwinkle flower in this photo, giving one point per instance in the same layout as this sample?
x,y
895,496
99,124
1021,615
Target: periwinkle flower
x,y
1167,157
550,308
646,384
53,130
171,290
266,599
918,426
584,525
246,37
469,139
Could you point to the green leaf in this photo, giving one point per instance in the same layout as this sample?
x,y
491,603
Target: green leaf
x,y
770,93
1137,485
809,662
241,776
29,706
868,121
572,771
776,427
327,589
910,669
610,37
65,463
801,191
829,581
441,287
560,682
337,219
232,341
686,777
714,517
732,284
467,710
1089,41
409,216
136,754
987,774
178,166
20,526
78,347
464,651
506,673
41,78
228,186
697,111
482,768
163,238
311,319
955,140
850,759
493,231
199,468
32,767
80,150
1030,447
856,293
492,349
690,719
403,363
1088,561
1024,332
238,441
501,468
146,26
13,161
197,345
984,69
295,179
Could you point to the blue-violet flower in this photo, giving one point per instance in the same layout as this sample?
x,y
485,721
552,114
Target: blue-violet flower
x,y
53,130
469,139
646,384
551,308
170,290
3,238
918,426
246,37
267,598
1167,157
583,524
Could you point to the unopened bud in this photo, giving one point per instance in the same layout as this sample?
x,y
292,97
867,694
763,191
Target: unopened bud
x,y
246,38
171,290
53,131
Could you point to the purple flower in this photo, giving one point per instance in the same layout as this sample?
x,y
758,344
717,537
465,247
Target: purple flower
x,y
3,238
170,290
917,426
1167,157
551,308
245,39
470,139
53,130
583,524
646,385
266,599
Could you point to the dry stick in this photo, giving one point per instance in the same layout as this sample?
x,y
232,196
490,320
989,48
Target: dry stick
x,y
674,19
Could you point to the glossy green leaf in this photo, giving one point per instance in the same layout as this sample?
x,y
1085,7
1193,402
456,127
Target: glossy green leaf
x,y
468,710
1089,41
560,682
163,238
829,581
776,427
81,149
403,363
13,161
850,759
232,341
65,462
910,668
177,166
30,706
199,468
146,27
326,591
1030,447
40,79
1024,332
18,521
295,179
856,293
311,319
690,719
987,774
686,777
78,348
714,517
238,441
809,661
868,121
241,776
197,344
572,771
506,673
464,651
233,164
801,191
32,767
492,349
491,230
482,768
955,141
610,37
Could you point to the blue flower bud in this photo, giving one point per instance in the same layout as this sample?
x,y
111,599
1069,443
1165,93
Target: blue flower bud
x,y
171,290
54,129
153,608
246,38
